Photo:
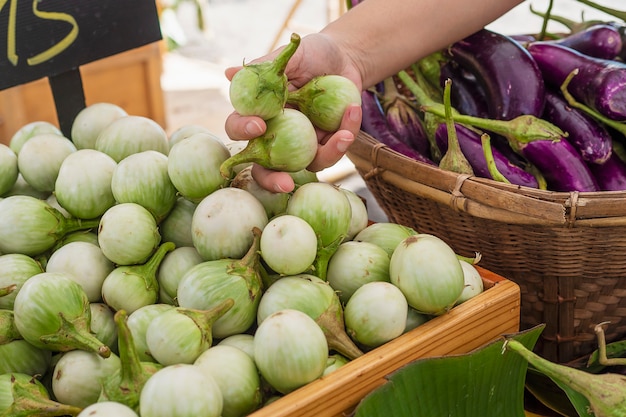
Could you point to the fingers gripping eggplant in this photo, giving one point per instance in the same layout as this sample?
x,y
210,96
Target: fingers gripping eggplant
x,y
589,137
374,123
599,84
471,146
509,76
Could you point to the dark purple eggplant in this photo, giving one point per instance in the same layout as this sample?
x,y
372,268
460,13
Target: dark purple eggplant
x,y
467,96
470,143
374,123
402,119
611,175
600,41
561,165
600,83
589,137
507,73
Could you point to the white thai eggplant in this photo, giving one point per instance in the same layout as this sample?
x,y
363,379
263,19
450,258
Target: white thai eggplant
x,y
85,263
130,287
180,335
90,121
274,203
288,245
415,319
131,134
29,130
19,356
317,299
174,265
185,131
52,312
25,395
176,227
15,269
128,234
83,186
138,322
40,159
384,234
142,178
360,217
181,390
78,375
88,236
260,89
31,226
125,384
328,211
236,375
324,99
428,272
222,223
21,187
52,200
242,341
354,264
103,326
211,282
107,409
376,313
8,169
193,165
334,362
289,144
473,282
290,350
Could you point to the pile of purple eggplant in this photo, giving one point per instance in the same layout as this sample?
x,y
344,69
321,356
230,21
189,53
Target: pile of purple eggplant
x,y
574,83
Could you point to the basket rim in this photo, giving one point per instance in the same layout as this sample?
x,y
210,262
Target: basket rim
x,y
483,197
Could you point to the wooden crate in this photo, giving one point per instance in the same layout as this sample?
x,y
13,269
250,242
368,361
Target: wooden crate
x,y
131,79
466,327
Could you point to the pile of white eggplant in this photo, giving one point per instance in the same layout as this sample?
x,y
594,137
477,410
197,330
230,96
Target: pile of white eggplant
x,y
137,279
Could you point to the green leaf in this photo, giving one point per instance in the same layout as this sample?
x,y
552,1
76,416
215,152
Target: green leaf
x,y
486,382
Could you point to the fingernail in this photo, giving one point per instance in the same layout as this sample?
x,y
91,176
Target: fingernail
x,y
253,128
355,114
279,189
343,144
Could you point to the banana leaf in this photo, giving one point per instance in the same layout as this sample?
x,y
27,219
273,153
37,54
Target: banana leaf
x,y
486,382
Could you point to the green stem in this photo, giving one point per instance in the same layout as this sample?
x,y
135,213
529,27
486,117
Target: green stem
x,y
204,319
281,60
620,14
7,290
8,330
544,24
605,392
620,127
29,400
485,140
453,160
332,324
572,25
75,335
249,267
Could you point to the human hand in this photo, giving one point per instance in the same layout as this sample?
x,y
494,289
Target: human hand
x,y
316,55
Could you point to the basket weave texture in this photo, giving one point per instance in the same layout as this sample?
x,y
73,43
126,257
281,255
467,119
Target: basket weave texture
x,y
566,251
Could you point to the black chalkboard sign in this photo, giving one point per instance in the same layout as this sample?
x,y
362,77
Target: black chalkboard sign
x,y
53,38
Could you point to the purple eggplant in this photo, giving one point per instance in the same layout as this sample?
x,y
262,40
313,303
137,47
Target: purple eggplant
x,y
561,165
600,41
470,143
374,123
466,95
611,175
589,137
402,119
600,83
507,73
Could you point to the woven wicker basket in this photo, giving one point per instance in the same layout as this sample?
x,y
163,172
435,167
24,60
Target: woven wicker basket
x,y
566,251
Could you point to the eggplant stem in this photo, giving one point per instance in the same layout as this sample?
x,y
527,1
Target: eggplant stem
x,y
620,127
454,160
620,14
602,358
485,141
